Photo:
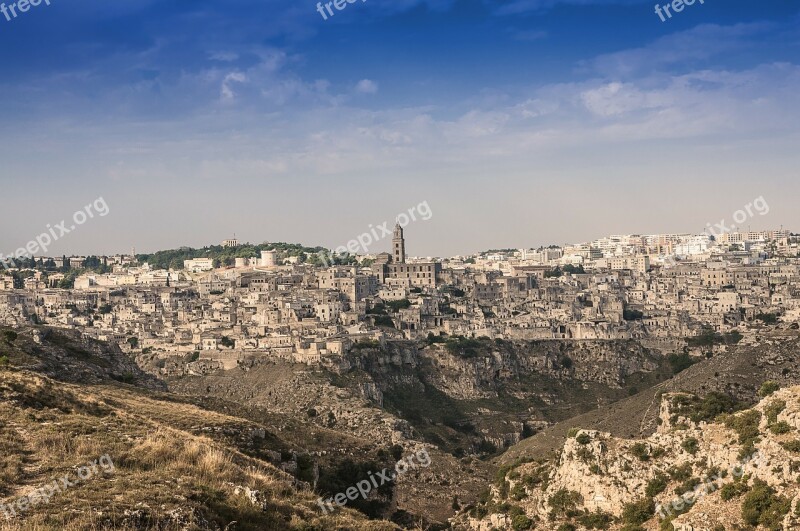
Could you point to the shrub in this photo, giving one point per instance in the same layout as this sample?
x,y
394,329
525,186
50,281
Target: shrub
x,y
10,336
656,486
521,522
384,320
567,527
779,428
730,491
773,409
792,446
639,512
666,525
691,445
705,338
763,507
747,451
768,387
396,306
583,438
596,520
680,362
641,451
539,477
746,426
464,347
708,408
518,492
767,318
687,486
227,342
681,473
573,432
564,502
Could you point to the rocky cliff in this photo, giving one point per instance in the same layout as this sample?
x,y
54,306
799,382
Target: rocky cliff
x,y
708,466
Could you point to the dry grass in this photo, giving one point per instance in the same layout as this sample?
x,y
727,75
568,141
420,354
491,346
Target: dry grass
x,y
165,477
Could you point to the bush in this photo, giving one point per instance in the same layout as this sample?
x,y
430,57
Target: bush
x,y
681,473
597,520
705,338
730,491
564,502
227,342
687,486
746,426
464,347
518,492
768,387
434,339
384,320
680,362
641,451
767,318
792,446
690,445
10,336
706,409
773,409
779,428
656,486
639,512
573,432
763,507
396,306
539,477
583,438
521,522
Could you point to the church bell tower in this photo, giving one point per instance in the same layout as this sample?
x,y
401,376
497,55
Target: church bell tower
x,y
399,245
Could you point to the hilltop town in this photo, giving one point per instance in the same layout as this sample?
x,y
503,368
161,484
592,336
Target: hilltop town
x,y
281,307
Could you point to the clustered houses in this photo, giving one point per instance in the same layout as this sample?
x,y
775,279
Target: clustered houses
x,y
616,288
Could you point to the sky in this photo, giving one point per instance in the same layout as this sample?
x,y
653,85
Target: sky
x,y
519,123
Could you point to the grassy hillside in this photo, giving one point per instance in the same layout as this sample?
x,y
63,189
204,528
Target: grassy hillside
x,y
169,464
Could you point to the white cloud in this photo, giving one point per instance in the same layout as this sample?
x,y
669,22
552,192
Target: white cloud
x,y
367,86
226,92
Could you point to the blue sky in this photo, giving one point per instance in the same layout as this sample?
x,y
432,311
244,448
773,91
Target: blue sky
x,y
521,123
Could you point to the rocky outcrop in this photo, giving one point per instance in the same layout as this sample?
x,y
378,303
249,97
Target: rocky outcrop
x,y
697,472
478,371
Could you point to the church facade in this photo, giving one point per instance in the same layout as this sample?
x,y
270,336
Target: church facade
x,y
392,269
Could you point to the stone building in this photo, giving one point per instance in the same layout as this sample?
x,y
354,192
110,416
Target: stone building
x,y
394,270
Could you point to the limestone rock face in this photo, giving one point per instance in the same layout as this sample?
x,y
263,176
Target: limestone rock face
x,y
473,375
682,468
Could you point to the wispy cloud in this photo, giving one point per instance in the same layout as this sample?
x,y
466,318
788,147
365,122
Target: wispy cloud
x,y
367,86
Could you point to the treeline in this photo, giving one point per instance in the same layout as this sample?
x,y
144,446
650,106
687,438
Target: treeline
x,y
226,256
